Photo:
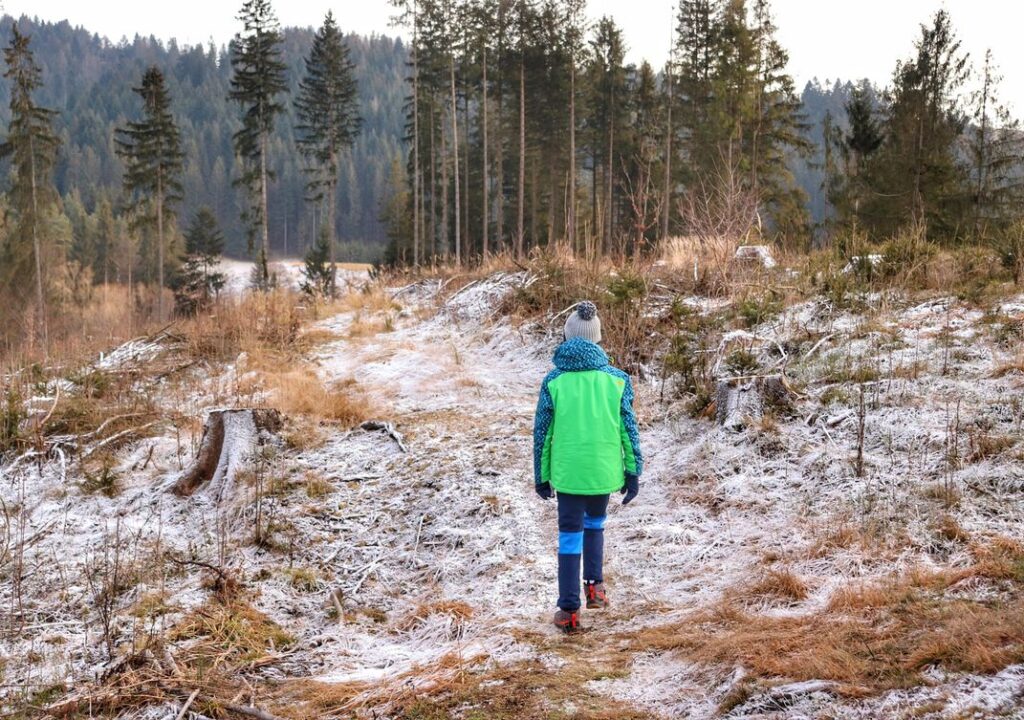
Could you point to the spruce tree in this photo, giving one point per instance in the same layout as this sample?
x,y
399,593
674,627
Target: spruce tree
x,y
258,79
778,130
31,146
996,146
199,281
318,271
328,111
848,154
919,174
151,150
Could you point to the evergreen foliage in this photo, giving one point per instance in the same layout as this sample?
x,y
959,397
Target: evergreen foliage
x,y
258,79
328,110
199,281
31,146
319,273
153,160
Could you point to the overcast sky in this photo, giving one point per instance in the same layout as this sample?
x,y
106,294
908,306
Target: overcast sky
x,y
825,38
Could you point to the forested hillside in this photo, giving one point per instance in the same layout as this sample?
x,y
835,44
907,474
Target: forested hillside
x,y
89,80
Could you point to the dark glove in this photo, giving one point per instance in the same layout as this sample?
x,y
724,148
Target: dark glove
x,y
630,488
544,490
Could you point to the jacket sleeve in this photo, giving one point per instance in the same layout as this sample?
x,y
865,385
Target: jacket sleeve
x,y
543,420
632,456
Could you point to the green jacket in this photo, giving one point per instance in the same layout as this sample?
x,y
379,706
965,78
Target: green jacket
x,y
585,437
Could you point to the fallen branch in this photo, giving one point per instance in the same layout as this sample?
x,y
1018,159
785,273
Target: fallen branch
x,y
187,705
118,436
387,428
249,711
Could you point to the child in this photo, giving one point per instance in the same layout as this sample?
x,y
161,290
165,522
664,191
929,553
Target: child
x,y
585,446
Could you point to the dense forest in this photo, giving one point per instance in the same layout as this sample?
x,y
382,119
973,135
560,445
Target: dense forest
x,y
89,81
529,128
502,126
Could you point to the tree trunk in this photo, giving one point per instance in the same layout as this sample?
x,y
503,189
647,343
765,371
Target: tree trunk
x,y
37,249
332,199
263,209
522,160
610,174
433,185
415,139
487,180
230,438
455,163
982,148
160,245
666,197
467,240
445,240
570,203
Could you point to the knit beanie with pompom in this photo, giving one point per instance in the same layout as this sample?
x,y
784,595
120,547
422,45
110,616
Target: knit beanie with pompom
x,y
584,323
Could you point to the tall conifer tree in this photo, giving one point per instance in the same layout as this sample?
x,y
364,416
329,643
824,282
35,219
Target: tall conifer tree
x,y
258,80
151,149
328,110
32,147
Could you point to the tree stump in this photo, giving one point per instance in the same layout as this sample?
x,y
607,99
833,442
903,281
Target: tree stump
x,y
230,437
738,401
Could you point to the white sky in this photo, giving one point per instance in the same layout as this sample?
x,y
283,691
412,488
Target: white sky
x,y
849,39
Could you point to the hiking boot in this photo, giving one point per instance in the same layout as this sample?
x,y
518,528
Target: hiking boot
x,y
568,621
596,597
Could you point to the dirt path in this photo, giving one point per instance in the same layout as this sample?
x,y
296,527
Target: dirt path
x,y
466,525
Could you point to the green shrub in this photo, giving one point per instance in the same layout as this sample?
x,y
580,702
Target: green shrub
x,y
742,362
12,413
756,310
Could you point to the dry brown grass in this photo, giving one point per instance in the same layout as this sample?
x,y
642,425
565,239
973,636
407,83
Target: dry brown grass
x,y
983,446
298,390
704,265
948,528
776,584
251,323
456,686
458,611
234,632
872,635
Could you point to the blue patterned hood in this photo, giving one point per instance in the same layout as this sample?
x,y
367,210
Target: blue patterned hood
x,y
578,354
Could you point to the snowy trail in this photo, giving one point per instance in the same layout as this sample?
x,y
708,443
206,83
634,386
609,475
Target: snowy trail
x,y
444,551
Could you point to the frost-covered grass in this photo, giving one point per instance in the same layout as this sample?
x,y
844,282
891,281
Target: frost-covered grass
x,y
855,555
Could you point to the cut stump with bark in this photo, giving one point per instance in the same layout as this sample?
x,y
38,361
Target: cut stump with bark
x,y
230,438
739,401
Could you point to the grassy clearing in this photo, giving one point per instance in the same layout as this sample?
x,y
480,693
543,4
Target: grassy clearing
x,y
464,688
871,636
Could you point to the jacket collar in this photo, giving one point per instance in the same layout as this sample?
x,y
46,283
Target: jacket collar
x,y
579,354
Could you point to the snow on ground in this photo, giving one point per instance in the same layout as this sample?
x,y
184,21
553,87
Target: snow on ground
x,y
288,273
445,549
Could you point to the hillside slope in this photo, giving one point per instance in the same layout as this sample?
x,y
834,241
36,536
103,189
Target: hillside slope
x,y
406,568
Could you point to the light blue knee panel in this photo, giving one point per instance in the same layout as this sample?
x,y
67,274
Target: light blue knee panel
x,y
570,543
594,523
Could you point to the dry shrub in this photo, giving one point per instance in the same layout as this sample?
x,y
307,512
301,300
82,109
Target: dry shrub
x,y
621,294
299,391
839,537
1000,558
777,584
249,323
1011,366
871,635
982,446
233,631
948,528
458,611
373,297
704,262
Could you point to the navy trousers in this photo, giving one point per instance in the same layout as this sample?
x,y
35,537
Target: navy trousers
x,y
580,532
